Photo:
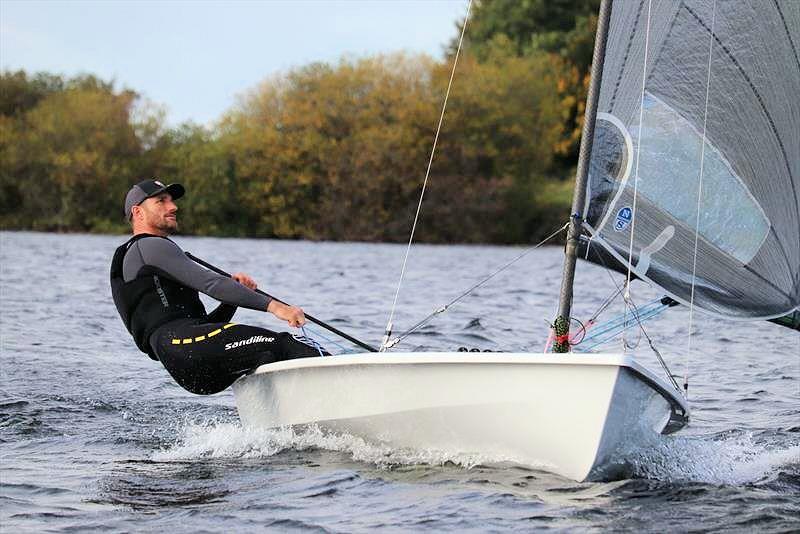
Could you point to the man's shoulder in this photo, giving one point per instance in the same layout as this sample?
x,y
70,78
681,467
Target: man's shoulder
x,y
154,244
152,238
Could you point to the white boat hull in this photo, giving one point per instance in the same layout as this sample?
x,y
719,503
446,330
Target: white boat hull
x,y
568,414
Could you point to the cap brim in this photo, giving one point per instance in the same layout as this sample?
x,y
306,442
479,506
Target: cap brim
x,y
176,191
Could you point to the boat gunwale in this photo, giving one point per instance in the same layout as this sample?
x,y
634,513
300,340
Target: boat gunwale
x,y
517,358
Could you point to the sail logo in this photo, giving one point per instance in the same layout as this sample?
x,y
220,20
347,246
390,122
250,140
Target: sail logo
x,y
623,219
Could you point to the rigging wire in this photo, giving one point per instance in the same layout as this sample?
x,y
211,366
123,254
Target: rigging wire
x,y
629,305
389,344
639,314
627,301
657,353
699,198
627,293
388,331
607,302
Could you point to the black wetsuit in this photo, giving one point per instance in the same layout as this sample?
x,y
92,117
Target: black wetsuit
x,y
155,288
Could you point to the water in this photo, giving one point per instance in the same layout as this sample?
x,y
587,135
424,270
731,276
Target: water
x,y
95,436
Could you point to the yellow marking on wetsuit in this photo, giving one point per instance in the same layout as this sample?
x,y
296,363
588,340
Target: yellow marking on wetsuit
x,y
203,337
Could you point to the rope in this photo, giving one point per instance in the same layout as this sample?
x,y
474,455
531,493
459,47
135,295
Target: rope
x,y
328,340
636,173
699,197
311,341
629,304
388,331
473,287
614,326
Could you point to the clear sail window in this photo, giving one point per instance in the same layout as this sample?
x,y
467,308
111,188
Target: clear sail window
x,y
669,176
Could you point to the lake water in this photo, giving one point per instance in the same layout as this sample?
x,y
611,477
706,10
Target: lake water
x,y
96,436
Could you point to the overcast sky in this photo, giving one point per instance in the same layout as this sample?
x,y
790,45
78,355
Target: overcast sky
x,y
195,56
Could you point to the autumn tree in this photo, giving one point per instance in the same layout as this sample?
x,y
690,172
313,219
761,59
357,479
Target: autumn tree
x,y
65,158
334,151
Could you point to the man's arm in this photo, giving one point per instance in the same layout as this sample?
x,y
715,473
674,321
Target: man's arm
x,y
225,312
222,313
167,257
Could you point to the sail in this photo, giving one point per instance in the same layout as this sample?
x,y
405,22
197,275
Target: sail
x,y
694,178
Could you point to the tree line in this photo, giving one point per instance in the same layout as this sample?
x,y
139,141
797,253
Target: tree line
x,y
325,151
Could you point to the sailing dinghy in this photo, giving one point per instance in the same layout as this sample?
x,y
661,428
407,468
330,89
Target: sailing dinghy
x,y
688,178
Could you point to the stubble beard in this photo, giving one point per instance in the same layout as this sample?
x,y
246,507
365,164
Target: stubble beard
x,y
168,226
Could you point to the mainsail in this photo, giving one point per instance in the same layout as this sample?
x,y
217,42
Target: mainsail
x,y
694,178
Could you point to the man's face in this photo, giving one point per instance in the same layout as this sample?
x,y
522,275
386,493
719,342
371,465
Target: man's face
x,y
160,212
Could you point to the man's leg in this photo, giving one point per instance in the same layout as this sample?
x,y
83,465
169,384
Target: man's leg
x,y
207,358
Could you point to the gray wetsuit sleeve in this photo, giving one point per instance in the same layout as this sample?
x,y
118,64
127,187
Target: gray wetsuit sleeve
x,y
166,256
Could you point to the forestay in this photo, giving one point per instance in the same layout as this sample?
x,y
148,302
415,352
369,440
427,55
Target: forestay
x,y
699,113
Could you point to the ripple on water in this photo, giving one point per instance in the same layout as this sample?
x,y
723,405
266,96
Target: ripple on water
x,y
146,484
96,435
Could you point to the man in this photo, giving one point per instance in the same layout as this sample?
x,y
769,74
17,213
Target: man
x,y
155,288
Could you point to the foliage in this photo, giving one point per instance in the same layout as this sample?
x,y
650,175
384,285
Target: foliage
x,y
342,151
330,152
62,159
564,28
496,145
325,151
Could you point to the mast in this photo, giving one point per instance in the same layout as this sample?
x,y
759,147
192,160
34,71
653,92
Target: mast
x,y
562,321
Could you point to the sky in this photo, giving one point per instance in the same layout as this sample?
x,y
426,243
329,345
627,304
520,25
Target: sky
x,y
194,57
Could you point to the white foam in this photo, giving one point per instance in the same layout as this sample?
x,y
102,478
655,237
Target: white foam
x,y
230,440
731,460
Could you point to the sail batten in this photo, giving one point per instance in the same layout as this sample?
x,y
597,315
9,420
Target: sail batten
x,y
721,99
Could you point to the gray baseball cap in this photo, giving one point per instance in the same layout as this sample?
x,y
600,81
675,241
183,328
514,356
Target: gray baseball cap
x,y
149,188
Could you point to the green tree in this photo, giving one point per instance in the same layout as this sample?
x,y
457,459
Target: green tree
x,y
65,158
502,123
534,27
340,152
333,151
193,155
562,27
20,92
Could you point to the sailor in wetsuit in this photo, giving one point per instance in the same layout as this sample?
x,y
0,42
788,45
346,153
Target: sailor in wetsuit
x,y
155,288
